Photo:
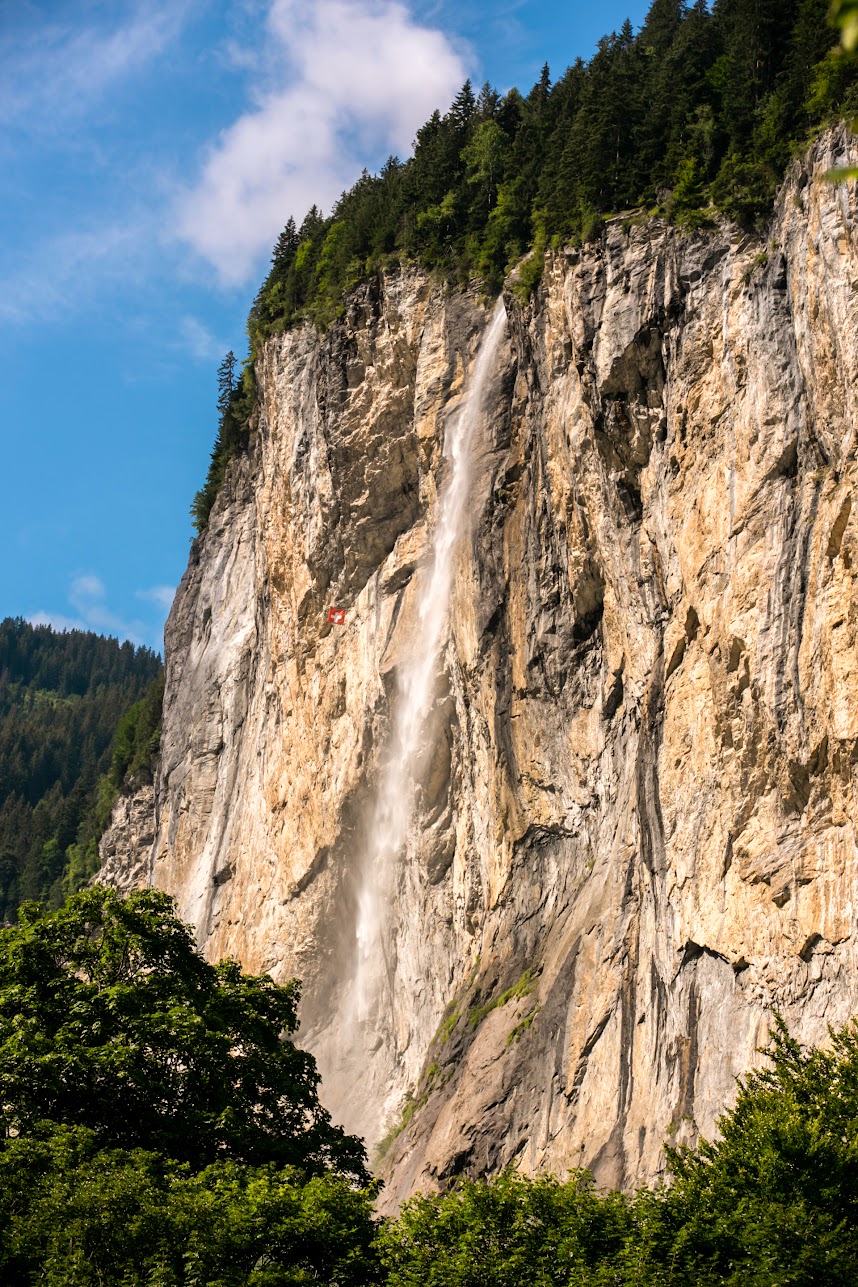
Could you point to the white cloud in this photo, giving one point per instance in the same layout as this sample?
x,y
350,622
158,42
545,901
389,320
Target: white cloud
x,y
57,621
198,340
64,67
332,86
57,274
163,595
348,81
97,618
88,598
84,589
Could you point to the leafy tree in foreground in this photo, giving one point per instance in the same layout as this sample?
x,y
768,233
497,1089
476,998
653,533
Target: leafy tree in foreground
x,y
161,1129
158,1125
507,1232
110,1019
775,1198
76,1215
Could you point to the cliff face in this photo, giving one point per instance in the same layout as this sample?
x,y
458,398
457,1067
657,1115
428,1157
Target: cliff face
x,y
633,829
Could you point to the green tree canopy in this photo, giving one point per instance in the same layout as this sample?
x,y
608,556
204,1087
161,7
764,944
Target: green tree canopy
x,y
507,1232
76,1215
775,1198
111,1020
160,1128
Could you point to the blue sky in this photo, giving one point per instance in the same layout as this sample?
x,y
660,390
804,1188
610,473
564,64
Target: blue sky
x,y
151,151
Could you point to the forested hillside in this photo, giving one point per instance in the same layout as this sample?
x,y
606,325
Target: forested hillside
x,y
695,116
76,711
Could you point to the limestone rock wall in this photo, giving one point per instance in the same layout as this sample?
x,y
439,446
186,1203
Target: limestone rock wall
x,y
634,830
125,847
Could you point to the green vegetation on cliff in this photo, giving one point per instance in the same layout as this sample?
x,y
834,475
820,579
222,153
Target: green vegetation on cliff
x,y
236,399
694,116
62,697
697,113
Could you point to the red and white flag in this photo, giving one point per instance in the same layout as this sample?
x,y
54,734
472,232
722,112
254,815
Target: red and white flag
x,y
337,616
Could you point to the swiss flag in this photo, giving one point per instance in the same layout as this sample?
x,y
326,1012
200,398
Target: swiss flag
x,y
337,616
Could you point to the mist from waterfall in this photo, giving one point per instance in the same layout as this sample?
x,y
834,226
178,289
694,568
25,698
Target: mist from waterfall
x,y
365,1008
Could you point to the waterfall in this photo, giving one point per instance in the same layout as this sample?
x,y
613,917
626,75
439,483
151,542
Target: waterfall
x,y
364,1016
416,686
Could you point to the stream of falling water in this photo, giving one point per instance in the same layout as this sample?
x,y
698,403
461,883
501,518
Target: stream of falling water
x,y
416,686
364,1019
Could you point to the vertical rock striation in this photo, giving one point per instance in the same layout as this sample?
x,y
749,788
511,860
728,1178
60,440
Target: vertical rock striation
x,y
634,824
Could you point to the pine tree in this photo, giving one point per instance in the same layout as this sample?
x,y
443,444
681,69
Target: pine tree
x,y
679,101
312,224
487,102
464,106
702,106
285,248
755,36
661,26
225,384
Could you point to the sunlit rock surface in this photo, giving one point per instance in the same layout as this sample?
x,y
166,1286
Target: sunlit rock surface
x,y
125,847
634,832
